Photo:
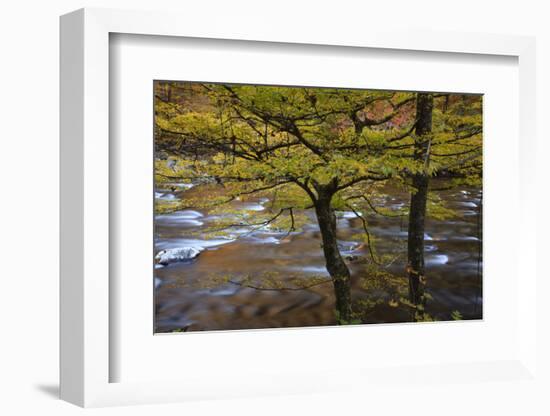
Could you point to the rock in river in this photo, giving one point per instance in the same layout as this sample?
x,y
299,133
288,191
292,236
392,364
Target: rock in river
x,y
175,255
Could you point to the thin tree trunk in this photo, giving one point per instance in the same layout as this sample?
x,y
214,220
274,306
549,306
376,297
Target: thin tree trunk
x,y
415,246
419,197
336,266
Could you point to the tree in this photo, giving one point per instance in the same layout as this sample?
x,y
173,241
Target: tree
x,y
309,140
419,198
456,146
314,148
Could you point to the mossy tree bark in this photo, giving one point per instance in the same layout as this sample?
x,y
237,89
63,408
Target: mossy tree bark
x,y
419,197
335,264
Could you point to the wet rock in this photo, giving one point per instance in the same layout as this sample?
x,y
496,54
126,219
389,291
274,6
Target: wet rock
x,y
175,255
353,258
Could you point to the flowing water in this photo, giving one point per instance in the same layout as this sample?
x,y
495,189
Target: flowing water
x,y
184,302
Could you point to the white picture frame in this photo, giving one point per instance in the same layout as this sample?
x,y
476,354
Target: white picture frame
x,y
85,212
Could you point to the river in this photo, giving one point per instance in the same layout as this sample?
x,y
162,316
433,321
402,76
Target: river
x,y
183,302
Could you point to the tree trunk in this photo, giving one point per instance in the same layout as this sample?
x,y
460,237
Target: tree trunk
x,y
419,197
336,267
415,246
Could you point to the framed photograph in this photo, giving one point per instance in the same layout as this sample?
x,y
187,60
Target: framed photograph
x,y
280,213
299,206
